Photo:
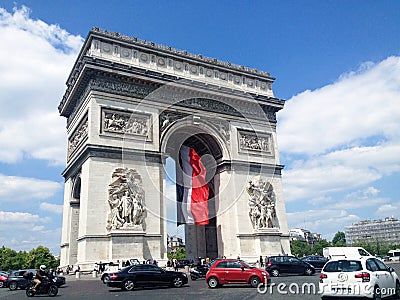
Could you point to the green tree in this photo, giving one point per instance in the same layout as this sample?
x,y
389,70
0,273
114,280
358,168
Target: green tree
x,y
180,253
339,240
41,256
320,245
300,248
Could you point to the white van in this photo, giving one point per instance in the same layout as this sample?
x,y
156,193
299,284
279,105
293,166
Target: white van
x,y
394,255
345,252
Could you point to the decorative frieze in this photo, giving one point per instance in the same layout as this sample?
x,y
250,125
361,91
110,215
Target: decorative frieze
x,y
128,123
256,142
166,118
79,135
126,201
262,202
139,52
222,127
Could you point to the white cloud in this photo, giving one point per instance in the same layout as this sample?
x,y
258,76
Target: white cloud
x,y
13,188
17,217
360,105
337,141
347,133
388,210
35,60
53,208
329,220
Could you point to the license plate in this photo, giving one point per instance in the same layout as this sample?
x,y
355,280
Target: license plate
x,y
342,291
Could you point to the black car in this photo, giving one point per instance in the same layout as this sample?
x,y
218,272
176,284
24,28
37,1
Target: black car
x,y
276,265
317,261
146,275
18,280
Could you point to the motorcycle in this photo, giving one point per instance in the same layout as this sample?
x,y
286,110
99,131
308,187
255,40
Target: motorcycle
x,y
198,272
46,287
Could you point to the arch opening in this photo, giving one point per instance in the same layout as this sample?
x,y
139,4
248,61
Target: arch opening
x,y
200,240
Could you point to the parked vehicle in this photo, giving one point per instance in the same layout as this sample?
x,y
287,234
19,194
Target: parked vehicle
x,y
184,263
345,252
3,278
364,276
394,255
111,267
227,271
145,275
287,264
17,280
46,287
317,261
198,272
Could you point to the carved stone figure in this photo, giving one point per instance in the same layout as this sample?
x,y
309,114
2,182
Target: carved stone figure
x,y
125,199
252,141
78,136
124,123
262,204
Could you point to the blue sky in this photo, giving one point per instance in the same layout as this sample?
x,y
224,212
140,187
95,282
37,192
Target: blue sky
x,y
337,63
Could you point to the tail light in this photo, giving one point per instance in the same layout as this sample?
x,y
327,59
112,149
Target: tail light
x,y
113,276
269,264
364,276
323,276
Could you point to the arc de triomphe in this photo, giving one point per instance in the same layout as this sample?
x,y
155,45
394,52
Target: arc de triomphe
x,y
130,105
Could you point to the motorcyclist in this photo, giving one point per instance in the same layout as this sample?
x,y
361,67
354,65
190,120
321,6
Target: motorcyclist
x,y
40,275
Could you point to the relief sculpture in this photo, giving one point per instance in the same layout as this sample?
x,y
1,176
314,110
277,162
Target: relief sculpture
x,y
125,199
253,142
78,136
262,204
124,123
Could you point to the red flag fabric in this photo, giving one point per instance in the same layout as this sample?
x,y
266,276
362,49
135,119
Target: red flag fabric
x,y
200,190
192,189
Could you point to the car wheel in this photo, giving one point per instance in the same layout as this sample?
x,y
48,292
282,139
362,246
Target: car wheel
x,y
377,293
178,282
128,285
308,271
213,282
275,272
1,284
255,281
106,279
53,291
13,285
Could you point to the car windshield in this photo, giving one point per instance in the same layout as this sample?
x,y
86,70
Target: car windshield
x,y
343,266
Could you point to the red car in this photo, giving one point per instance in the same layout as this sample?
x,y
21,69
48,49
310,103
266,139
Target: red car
x,y
234,271
3,278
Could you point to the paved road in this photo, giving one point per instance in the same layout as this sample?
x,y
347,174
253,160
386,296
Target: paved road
x,y
283,287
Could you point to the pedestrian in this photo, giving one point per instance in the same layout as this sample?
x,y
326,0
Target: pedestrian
x,y
261,261
175,264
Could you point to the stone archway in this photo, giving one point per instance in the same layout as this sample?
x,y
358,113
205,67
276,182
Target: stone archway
x,y
129,104
211,145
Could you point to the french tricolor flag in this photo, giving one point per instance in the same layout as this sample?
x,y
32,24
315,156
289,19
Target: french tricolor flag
x,y
191,189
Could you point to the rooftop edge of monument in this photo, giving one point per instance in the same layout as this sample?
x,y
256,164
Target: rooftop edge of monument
x,y
183,53
118,54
